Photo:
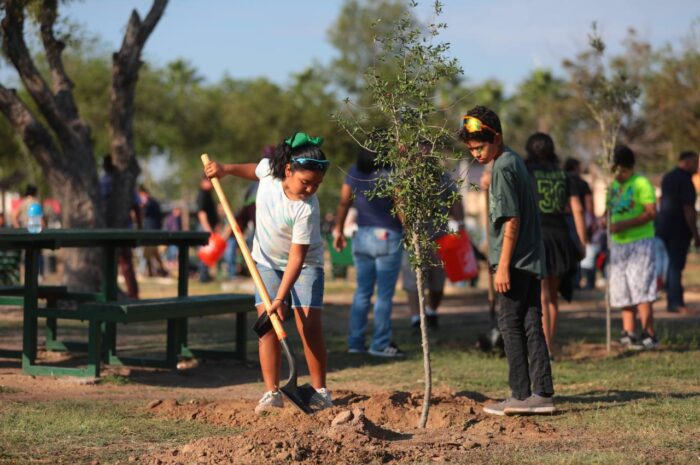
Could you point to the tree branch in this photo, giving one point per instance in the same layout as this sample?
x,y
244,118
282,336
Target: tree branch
x,y
62,85
16,50
33,133
125,66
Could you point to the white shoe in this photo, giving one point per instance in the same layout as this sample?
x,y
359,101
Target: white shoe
x,y
270,401
321,399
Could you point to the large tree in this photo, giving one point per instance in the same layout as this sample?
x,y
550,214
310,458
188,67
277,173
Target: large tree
x,y
55,134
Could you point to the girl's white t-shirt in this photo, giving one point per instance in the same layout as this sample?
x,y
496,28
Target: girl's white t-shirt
x,y
281,222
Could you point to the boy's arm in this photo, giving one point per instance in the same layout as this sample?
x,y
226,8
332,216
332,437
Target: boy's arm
x,y
501,281
647,215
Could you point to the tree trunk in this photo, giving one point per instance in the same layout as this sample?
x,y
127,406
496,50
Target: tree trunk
x,y
125,72
427,370
63,146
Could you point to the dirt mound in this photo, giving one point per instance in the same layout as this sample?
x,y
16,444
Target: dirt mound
x,y
359,430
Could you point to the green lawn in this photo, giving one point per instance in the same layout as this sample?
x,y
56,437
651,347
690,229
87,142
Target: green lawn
x,y
627,408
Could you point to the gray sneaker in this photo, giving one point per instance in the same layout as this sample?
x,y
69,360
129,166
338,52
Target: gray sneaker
x,y
532,405
498,408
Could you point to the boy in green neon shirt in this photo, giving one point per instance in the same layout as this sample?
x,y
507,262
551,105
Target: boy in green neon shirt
x,y
632,204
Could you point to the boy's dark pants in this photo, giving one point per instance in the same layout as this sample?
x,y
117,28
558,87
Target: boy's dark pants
x,y
520,322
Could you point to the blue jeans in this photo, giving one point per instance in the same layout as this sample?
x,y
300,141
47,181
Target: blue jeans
x,y
230,256
377,255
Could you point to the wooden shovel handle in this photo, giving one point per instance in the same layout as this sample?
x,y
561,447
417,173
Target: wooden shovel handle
x,y
259,284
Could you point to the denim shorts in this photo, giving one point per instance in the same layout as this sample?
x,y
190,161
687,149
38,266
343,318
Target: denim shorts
x,y
307,291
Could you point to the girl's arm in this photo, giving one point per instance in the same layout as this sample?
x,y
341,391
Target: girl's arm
x,y
241,170
297,254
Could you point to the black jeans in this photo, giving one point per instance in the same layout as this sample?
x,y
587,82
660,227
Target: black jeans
x,y
677,249
520,322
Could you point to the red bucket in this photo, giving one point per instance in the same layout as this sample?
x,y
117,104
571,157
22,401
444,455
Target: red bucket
x,y
211,253
457,256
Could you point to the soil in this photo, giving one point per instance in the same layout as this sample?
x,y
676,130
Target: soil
x,y
360,429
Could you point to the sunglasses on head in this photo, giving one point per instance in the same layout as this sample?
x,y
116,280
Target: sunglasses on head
x,y
472,125
311,163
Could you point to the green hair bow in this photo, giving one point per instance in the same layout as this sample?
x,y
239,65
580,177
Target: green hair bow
x,y
301,138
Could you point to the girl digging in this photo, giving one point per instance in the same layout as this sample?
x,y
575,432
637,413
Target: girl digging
x,y
288,251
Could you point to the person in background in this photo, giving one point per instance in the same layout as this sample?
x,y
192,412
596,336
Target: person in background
x,y
19,214
172,222
556,196
152,219
676,225
572,166
377,252
125,254
516,257
208,219
433,276
632,277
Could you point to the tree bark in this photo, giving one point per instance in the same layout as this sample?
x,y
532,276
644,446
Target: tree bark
x,y
125,69
66,159
63,147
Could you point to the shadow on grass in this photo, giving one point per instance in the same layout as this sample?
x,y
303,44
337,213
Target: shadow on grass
x,y
617,398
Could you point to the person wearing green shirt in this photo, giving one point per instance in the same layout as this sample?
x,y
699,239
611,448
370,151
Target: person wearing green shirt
x,y
632,207
516,258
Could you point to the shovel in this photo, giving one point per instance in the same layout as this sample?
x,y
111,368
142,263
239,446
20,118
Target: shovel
x,y
300,396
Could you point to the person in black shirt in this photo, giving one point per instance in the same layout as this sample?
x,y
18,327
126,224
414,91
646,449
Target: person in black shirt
x,y
152,218
573,169
555,195
676,224
208,218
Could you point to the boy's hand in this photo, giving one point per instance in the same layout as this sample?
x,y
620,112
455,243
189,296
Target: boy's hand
x,y
214,170
279,307
501,280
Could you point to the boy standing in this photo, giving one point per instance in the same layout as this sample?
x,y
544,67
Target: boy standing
x,y
516,257
632,204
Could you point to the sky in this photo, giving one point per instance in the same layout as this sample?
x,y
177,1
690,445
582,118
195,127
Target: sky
x,y
500,39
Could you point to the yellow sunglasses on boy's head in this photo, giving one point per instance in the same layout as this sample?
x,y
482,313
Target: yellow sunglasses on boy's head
x,y
472,125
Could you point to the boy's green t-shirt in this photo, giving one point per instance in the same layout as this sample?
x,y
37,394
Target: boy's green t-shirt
x,y
511,195
626,201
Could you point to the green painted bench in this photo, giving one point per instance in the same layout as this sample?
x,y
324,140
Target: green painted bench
x,y
175,310
14,295
9,266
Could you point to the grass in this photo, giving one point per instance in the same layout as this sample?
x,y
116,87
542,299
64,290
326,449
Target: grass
x,y
74,431
630,408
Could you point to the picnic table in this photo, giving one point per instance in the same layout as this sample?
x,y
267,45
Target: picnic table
x,y
102,309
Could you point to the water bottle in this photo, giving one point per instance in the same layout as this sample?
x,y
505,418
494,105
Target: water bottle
x,y
34,214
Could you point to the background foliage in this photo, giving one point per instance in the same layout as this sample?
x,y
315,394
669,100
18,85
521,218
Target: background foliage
x,y
180,115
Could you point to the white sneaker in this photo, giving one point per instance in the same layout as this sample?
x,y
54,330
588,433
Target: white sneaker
x,y
270,401
390,351
321,399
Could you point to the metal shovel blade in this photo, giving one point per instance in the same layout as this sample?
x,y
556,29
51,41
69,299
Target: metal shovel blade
x,y
300,396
